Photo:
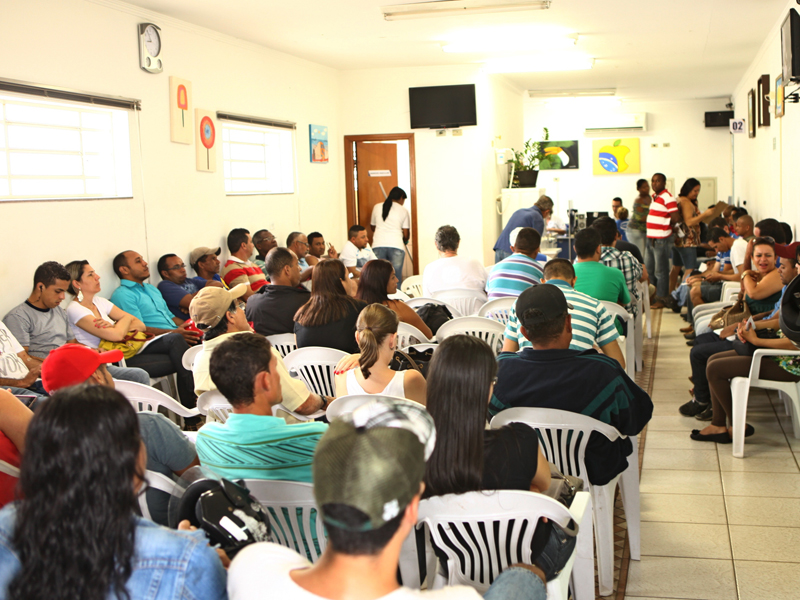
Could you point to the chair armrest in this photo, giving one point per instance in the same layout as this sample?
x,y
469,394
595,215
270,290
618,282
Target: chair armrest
x,y
580,503
755,367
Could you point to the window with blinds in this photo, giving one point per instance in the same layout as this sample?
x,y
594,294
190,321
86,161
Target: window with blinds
x,y
52,149
257,158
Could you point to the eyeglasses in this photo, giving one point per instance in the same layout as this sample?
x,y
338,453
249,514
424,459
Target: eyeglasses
x,y
176,267
240,305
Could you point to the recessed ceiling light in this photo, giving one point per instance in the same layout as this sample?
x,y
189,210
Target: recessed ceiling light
x,y
446,8
539,64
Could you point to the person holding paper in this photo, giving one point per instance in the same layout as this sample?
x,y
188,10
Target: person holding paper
x,y
687,230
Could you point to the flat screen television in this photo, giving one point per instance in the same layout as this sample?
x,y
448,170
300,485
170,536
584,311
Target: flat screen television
x,y
790,47
442,106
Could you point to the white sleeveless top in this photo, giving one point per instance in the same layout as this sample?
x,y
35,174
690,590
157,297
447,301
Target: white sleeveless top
x,y
394,388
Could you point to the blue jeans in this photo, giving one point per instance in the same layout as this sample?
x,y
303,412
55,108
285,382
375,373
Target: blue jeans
x,y
164,357
685,257
394,256
516,583
639,238
500,255
657,262
129,374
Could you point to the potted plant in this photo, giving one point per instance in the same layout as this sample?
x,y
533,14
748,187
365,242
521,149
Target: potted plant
x,y
526,162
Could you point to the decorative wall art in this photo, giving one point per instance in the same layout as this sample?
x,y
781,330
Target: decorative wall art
x,y
318,143
779,99
559,155
181,123
206,138
762,101
616,157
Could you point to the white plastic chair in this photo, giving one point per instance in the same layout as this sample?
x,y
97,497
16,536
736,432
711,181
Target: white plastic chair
x,y
412,286
424,347
214,406
344,405
644,294
284,343
563,437
314,366
292,510
488,330
415,303
155,481
467,302
146,398
730,289
408,335
497,309
740,390
628,342
474,525
168,383
190,356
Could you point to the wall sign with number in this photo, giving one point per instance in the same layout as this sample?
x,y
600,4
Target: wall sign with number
x,y
737,126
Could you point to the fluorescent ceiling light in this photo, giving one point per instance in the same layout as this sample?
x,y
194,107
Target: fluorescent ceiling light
x,y
539,64
443,8
515,44
572,93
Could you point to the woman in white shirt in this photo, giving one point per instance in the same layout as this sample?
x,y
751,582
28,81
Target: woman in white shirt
x,y
376,334
390,226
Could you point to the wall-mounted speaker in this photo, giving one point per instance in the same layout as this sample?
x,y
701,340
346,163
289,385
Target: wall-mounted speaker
x,y
720,118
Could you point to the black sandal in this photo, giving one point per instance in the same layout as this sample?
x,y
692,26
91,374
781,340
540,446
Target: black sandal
x,y
720,438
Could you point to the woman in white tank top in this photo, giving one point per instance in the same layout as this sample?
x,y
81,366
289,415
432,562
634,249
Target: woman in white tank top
x,y
376,334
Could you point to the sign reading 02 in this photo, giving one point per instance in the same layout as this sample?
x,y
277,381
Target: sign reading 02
x,y
150,48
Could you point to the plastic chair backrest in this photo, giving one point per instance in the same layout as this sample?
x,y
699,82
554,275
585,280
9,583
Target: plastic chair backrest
x,y
190,356
155,481
415,303
214,405
293,516
408,335
344,405
497,309
146,398
314,366
488,330
412,286
482,533
563,435
466,301
284,343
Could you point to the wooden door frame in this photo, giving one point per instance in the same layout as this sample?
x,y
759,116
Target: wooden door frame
x,y
350,192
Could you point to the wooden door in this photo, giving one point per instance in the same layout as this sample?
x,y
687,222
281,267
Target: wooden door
x,y
376,165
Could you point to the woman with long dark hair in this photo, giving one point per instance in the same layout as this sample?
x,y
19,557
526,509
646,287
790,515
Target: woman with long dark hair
x,y
467,457
390,225
377,281
74,533
328,319
687,238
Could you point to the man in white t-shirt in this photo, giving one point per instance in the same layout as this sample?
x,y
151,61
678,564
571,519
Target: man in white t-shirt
x,y
451,271
357,251
368,470
17,370
744,230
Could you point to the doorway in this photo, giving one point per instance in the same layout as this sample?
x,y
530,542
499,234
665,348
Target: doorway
x,y
374,164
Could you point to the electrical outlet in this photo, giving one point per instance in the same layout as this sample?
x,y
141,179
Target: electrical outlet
x,y
441,132
456,132
666,144
654,145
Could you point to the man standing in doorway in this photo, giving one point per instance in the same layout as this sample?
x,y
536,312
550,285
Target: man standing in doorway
x,y
535,216
663,213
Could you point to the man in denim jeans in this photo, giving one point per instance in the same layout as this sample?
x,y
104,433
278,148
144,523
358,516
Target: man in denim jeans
x,y
660,219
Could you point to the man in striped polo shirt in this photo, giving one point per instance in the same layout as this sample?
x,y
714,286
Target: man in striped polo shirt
x,y
592,325
515,274
660,219
238,269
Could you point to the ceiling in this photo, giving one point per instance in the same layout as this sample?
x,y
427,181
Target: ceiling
x,y
670,49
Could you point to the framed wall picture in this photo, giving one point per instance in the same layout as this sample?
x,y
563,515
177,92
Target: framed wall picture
x,y
751,113
181,123
779,100
762,100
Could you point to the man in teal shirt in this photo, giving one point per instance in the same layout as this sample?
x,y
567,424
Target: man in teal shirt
x,y
593,277
252,444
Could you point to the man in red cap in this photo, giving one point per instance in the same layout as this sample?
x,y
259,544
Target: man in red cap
x,y
168,450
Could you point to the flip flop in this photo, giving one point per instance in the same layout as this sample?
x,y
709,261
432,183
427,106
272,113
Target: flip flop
x,y
720,438
748,430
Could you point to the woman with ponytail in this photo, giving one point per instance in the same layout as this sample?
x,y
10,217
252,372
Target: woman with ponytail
x,y
376,334
390,228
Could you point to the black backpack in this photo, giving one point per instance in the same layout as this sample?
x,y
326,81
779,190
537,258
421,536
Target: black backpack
x,y
434,316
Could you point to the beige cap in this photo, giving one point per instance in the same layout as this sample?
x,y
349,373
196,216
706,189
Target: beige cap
x,y
202,251
211,303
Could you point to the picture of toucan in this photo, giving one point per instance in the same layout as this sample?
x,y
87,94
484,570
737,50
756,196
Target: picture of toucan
x,y
560,155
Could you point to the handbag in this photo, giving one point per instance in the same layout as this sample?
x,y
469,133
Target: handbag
x,y
412,358
563,487
129,345
434,316
731,315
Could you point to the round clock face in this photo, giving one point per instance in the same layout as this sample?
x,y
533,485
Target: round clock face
x,y
152,41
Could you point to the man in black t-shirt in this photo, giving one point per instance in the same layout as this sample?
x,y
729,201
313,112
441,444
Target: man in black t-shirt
x,y
272,309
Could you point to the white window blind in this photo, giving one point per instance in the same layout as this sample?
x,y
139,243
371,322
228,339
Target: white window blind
x,y
51,149
257,158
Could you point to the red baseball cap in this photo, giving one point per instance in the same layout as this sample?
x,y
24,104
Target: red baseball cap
x,y
72,364
787,250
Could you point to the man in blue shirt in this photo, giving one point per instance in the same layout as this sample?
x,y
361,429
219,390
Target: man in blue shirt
x,y
176,288
535,216
205,263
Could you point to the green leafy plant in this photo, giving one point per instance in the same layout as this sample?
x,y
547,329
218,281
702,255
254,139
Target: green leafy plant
x,y
531,155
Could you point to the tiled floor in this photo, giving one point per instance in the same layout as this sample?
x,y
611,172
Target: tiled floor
x,y
714,526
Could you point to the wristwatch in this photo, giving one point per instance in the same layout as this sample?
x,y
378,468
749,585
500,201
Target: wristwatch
x,y
324,402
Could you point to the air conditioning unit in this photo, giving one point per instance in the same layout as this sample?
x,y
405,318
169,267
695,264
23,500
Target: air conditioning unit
x,y
626,123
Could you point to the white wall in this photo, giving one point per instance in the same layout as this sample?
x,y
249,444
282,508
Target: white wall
x,y
766,166
92,46
694,150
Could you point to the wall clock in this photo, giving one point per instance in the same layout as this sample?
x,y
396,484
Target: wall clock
x,y
150,48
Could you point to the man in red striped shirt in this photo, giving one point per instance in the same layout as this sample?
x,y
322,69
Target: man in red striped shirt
x,y
660,219
238,269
